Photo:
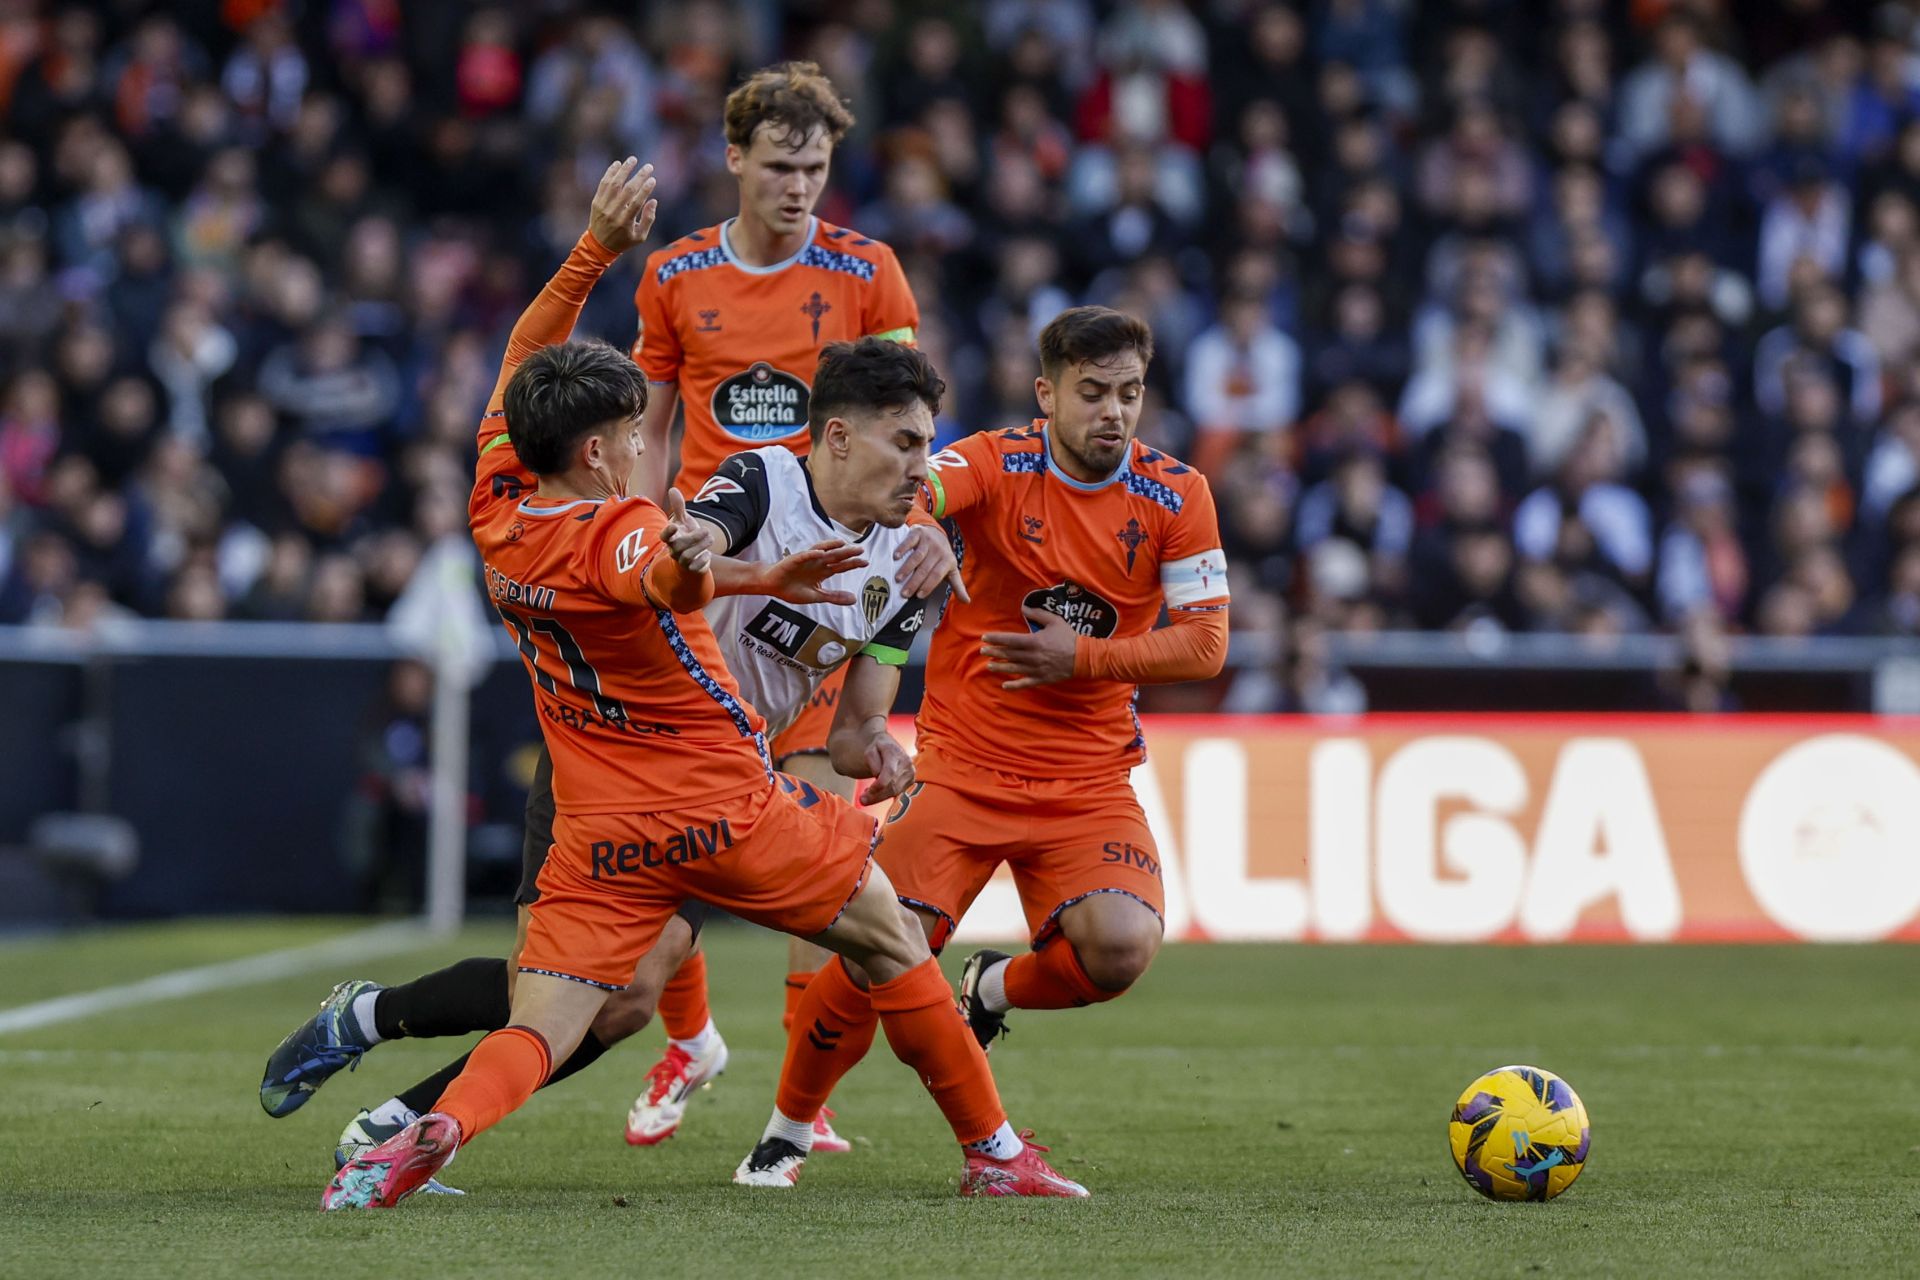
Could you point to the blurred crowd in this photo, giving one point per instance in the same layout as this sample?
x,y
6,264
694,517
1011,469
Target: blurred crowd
x,y
1556,315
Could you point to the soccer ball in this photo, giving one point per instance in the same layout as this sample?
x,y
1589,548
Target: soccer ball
x,y
1519,1133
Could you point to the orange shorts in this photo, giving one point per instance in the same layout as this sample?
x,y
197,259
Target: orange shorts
x,y
1065,840
807,735
790,858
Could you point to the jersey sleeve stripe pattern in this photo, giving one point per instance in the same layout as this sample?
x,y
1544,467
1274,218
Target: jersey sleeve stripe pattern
x,y
1153,490
1194,579
1033,463
698,260
728,703
818,255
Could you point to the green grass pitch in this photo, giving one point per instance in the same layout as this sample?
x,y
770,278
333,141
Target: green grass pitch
x,y
1250,1110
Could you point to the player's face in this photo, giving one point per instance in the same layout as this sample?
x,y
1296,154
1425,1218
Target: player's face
x,y
612,454
1094,410
779,183
885,454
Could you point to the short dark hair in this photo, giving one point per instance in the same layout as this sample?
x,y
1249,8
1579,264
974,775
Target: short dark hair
x,y
795,98
1092,335
873,374
561,393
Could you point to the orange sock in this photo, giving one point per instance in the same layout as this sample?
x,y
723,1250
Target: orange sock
x,y
683,1001
501,1073
831,1029
1052,978
796,984
926,1032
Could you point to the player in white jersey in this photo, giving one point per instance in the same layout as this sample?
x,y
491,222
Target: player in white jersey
x,y
765,504
804,551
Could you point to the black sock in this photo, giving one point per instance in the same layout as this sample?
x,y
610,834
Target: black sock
x,y
454,1001
581,1058
423,1095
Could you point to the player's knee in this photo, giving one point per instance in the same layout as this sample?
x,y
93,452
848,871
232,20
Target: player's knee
x,y
1115,936
1120,946
1116,963
899,946
878,933
624,1013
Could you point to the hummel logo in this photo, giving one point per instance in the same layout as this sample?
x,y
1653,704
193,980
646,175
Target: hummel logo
x,y
1030,529
823,1037
708,323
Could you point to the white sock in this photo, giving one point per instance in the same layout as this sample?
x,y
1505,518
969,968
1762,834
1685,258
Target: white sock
x,y
1002,1144
798,1132
363,1016
393,1111
992,991
703,1043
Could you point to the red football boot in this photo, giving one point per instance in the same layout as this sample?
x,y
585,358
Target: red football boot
x,y
403,1164
1024,1175
825,1140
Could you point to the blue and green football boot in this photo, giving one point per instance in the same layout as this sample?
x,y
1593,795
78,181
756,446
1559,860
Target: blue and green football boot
x,y
309,1056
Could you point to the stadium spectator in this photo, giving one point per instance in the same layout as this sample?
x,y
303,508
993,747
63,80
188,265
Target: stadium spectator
x,y
254,262
1243,377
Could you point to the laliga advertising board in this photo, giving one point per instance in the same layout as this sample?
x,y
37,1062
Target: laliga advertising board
x,y
1528,829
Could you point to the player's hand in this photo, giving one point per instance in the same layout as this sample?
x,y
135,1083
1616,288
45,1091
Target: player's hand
x,y
801,577
924,561
1045,656
623,205
689,541
892,770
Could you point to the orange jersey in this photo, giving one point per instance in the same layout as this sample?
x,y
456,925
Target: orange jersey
x,y
742,341
1104,556
636,705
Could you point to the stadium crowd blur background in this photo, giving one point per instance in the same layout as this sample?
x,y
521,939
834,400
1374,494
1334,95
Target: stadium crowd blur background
x,y
1565,317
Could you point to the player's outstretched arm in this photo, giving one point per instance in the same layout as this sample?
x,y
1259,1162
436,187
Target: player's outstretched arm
x,y
620,218
858,744
800,578
1192,647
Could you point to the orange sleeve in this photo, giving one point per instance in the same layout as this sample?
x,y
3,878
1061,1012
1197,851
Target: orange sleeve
x,y
1193,568
657,347
891,311
669,585
960,475
550,317
632,565
1192,647
919,514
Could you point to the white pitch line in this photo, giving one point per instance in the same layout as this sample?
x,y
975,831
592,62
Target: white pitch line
x,y
246,971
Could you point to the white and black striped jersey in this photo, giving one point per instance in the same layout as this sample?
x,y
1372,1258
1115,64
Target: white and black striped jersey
x,y
764,501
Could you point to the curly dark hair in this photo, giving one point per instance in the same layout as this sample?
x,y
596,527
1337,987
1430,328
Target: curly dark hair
x,y
792,97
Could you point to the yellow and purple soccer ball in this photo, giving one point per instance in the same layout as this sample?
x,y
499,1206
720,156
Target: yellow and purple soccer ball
x,y
1519,1133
